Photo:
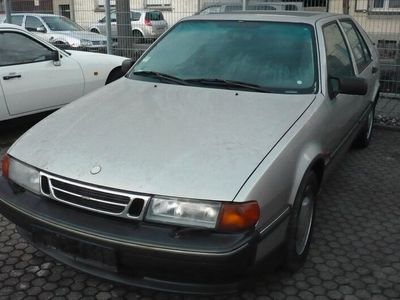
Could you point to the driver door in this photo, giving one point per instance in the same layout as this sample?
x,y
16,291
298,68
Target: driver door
x,y
31,81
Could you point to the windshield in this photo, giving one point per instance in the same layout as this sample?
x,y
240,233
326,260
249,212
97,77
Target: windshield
x,y
61,24
277,56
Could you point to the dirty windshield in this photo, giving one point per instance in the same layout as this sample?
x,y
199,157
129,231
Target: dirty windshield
x,y
270,56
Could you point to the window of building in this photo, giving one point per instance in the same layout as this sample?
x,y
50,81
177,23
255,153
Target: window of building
x,y
158,3
385,5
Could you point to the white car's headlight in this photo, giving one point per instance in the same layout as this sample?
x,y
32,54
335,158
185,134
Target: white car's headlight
x,y
221,216
86,43
21,174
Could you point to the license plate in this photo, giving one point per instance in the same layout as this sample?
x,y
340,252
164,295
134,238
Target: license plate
x,y
81,251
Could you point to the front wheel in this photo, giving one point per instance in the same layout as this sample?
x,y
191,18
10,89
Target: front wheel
x,y
301,223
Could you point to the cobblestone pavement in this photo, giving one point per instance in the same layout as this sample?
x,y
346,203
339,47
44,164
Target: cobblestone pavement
x,y
355,253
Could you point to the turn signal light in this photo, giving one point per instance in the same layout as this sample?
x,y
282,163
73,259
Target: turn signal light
x,y
238,216
5,165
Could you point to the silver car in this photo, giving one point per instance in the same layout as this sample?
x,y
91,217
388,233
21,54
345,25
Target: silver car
x,y
147,25
61,31
205,159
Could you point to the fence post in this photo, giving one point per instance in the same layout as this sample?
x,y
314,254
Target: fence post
x,y
108,27
244,5
7,9
125,35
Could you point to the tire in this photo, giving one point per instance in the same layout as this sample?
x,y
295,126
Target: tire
x,y
301,223
94,30
364,137
138,37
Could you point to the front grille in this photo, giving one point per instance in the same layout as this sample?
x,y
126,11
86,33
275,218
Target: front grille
x,y
100,200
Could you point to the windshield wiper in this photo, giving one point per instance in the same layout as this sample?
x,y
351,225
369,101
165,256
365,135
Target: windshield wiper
x,y
229,83
161,76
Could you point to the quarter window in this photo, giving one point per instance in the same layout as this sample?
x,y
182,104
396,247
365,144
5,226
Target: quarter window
x,y
357,44
17,49
337,55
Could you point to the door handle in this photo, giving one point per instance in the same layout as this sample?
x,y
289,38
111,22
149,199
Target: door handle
x,y
374,69
11,76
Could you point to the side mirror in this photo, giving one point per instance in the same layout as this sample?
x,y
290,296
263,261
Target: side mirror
x,y
347,85
41,29
126,65
55,55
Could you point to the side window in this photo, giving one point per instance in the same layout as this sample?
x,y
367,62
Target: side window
x,y
357,44
32,23
17,20
135,16
16,48
337,55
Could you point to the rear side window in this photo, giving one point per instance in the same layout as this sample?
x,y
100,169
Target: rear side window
x,y
17,20
135,16
154,16
337,55
357,44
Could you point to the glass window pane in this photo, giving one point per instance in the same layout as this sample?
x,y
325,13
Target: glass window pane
x,y
378,3
16,48
337,54
357,45
394,3
17,20
32,23
279,56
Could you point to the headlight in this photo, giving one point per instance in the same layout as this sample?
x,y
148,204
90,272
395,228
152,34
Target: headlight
x,y
221,216
21,174
184,212
86,43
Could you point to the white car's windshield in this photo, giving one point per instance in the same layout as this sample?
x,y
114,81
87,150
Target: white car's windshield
x,y
61,24
278,57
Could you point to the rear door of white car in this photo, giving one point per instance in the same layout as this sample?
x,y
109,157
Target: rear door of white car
x,y
31,81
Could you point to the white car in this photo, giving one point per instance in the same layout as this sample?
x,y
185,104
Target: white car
x,y
36,76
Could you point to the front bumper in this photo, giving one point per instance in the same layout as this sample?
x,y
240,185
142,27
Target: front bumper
x,y
139,254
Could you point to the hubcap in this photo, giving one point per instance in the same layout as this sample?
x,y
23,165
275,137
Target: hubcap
x,y
306,215
370,123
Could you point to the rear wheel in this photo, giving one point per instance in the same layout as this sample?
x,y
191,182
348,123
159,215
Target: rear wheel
x,y
301,223
138,37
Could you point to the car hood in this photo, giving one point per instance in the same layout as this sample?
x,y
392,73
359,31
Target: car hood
x,y
162,139
79,35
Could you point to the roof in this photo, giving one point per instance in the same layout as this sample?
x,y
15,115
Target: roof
x,y
309,17
36,15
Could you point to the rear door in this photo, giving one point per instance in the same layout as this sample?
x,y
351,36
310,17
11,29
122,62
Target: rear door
x,y
31,81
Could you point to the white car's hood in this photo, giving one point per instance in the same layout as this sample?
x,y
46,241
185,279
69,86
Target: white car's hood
x,y
162,139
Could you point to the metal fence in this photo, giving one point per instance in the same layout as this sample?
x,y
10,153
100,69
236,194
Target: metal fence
x,y
135,24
